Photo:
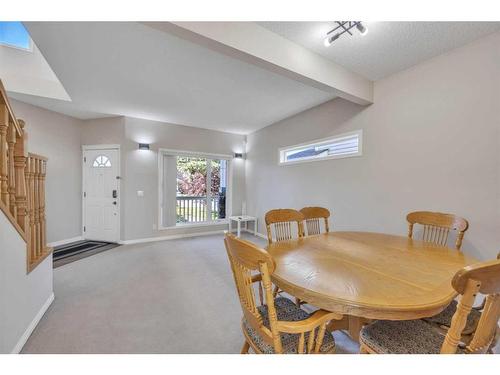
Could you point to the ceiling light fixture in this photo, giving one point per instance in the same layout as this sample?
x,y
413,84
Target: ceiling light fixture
x,y
330,39
361,28
342,28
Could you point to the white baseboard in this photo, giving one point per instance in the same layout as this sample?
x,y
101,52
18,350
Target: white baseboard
x,y
183,235
31,327
249,231
260,235
66,241
170,237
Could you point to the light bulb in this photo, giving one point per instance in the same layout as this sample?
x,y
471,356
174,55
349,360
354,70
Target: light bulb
x,y
330,39
363,30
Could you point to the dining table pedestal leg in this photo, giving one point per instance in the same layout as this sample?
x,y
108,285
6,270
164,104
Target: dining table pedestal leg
x,y
339,325
349,323
355,325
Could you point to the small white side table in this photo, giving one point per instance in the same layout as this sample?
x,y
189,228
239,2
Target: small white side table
x,y
245,219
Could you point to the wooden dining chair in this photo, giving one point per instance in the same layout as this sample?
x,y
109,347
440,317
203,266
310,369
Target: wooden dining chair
x,y
313,216
281,221
437,226
419,337
443,320
278,326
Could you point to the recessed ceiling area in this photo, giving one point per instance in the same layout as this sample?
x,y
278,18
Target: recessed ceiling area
x,y
127,68
388,47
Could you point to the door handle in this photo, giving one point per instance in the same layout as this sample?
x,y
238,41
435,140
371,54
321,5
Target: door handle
x,y
115,194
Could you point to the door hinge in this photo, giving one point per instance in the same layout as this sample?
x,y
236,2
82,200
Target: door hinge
x,y
85,194
84,159
84,229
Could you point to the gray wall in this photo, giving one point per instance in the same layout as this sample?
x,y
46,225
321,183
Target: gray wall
x,y
57,137
140,168
60,138
24,294
431,142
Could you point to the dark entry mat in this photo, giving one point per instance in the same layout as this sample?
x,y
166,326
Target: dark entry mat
x,y
71,252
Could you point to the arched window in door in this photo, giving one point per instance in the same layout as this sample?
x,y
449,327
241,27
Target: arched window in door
x,y
102,161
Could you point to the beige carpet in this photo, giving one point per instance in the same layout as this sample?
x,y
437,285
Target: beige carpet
x,y
165,297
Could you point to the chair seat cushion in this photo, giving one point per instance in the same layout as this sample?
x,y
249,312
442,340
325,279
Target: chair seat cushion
x,y
402,337
286,310
445,316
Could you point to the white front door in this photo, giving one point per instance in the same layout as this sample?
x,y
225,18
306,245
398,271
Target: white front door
x,y
101,200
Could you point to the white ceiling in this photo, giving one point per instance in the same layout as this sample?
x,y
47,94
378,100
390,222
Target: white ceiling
x,y
388,47
130,69
28,72
133,70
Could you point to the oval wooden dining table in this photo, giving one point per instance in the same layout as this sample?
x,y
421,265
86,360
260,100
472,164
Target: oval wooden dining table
x,y
367,275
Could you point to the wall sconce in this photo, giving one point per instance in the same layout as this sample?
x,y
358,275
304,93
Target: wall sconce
x,y
238,155
143,146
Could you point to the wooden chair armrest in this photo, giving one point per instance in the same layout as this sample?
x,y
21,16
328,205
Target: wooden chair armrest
x,y
315,320
256,278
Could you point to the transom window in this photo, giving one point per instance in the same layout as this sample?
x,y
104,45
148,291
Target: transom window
x,y
102,161
14,34
339,146
194,188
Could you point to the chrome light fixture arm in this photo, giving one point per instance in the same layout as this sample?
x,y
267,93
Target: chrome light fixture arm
x,y
342,28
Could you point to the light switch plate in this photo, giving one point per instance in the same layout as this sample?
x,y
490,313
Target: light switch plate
x,y
140,193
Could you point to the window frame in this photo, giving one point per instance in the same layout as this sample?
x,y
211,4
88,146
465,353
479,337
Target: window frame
x,y
314,143
229,191
9,45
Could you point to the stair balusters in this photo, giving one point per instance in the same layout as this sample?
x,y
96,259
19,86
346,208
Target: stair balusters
x,y
22,184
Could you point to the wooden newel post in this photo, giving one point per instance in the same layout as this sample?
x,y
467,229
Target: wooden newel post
x,y
4,178
31,205
20,180
11,141
43,170
36,200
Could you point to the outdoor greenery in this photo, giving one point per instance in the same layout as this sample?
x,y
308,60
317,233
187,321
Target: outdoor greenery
x,y
192,176
192,182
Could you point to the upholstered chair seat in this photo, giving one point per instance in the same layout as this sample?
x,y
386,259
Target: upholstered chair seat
x,y
444,318
402,337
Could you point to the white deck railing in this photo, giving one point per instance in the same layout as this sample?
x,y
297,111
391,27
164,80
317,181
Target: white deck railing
x,y
193,209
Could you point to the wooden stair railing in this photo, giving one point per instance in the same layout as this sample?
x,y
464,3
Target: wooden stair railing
x,y
22,184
